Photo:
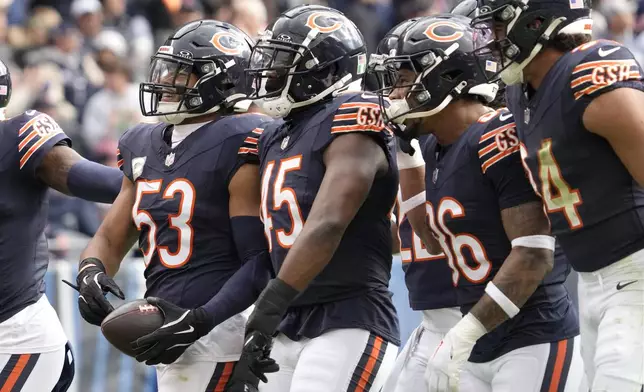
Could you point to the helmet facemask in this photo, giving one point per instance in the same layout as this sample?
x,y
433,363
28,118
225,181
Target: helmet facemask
x,y
287,75
180,88
521,33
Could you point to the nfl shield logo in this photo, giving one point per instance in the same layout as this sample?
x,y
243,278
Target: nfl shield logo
x,y
526,116
285,142
576,4
169,159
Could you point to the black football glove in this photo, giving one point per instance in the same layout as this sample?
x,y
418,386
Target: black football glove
x,y
92,284
181,328
253,364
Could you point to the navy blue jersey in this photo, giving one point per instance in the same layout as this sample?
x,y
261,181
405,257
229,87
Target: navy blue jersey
x,y
468,184
181,206
595,207
428,276
352,291
26,139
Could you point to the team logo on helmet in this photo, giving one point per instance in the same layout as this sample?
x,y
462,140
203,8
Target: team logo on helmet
x,y
227,43
432,34
327,18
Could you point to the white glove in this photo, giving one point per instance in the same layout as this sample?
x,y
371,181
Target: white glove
x,y
444,367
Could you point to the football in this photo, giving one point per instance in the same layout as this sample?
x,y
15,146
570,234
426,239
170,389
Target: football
x,y
129,322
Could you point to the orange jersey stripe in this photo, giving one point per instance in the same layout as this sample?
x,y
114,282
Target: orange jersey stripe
x,y
35,148
354,105
487,150
351,128
487,164
15,373
258,131
119,163
246,150
559,363
602,63
581,80
342,117
26,140
28,125
494,132
251,140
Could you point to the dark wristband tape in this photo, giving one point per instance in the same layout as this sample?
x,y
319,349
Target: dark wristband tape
x,y
271,306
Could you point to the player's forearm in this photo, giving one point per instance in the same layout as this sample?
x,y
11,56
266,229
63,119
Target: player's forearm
x,y
110,251
67,172
241,290
518,278
311,252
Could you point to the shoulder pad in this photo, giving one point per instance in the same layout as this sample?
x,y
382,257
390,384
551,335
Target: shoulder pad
x,y
498,138
599,64
360,113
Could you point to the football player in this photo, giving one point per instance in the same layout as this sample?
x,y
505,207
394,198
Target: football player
x,y
423,259
191,197
36,155
519,331
329,181
578,109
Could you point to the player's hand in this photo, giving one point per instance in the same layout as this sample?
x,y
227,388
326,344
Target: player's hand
x,y
255,361
444,367
93,284
181,328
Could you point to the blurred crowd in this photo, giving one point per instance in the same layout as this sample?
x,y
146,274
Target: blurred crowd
x,y
81,60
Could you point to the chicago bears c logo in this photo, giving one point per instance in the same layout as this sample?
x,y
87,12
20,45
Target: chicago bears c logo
x,y
312,22
430,32
226,43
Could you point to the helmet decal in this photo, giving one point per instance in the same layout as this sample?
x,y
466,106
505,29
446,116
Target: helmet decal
x,y
430,32
226,43
312,22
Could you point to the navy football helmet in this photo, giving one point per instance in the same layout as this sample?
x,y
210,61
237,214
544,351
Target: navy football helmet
x,y
308,54
200,69
523,28
434,65
467,8
387,47
5,88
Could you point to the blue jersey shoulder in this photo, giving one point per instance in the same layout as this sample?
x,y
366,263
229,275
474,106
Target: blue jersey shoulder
x,y
34,134
600,66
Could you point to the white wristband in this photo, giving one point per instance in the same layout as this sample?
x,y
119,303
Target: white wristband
x,y
504,302
406,161
413,202
535,241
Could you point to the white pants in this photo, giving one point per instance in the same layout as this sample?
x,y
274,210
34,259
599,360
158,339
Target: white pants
x,y
208,363
34,372
341,360
611,312
409,371
549,367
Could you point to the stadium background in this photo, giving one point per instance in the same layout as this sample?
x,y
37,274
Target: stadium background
x,y
81,61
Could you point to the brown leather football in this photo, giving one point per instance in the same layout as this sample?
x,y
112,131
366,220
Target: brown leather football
x,y
129,322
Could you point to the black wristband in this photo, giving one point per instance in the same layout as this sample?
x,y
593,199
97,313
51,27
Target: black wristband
x,y
271,306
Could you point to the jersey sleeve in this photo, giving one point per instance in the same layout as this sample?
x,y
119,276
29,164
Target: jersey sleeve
x,y
37,135
124,155
606,66
500,159
243,146
362,114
